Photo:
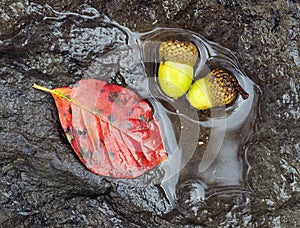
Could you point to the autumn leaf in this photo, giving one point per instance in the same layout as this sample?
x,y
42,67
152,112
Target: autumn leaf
x,y
111,129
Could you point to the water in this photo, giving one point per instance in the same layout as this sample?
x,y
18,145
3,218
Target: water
x,y
207,149
217,164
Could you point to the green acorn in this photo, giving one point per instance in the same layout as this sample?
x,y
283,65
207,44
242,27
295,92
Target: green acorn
x,y
176,69
217,88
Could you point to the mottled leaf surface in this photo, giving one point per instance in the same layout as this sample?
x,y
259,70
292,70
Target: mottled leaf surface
x,y
111,129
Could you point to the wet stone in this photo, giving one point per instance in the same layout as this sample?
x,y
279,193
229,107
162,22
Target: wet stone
x,y
43,183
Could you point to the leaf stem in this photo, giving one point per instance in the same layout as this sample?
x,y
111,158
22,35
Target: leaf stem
x,y
57,93
42,88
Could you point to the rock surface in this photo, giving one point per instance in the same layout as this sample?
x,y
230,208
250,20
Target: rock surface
x,y
43,184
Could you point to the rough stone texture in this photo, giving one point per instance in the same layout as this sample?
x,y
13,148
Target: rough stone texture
x,y
43,184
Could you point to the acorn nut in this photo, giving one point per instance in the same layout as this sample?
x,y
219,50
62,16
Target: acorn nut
x,y
176,72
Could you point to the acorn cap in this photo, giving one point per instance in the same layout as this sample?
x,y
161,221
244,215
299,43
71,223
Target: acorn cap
x,y
178,51
222,87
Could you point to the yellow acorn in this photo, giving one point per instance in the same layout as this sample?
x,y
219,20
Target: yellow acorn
x,y
175,72
217,88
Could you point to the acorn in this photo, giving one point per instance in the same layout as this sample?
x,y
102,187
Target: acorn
x,y
176,69
217,88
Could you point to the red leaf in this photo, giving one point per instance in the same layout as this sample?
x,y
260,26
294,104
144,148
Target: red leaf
x,y
113,131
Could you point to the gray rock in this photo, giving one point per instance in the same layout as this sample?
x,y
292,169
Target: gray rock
x,y
42,181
